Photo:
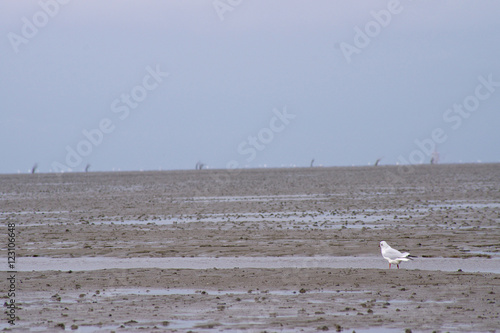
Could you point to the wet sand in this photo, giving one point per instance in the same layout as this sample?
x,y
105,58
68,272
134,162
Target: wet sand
x,y
440,213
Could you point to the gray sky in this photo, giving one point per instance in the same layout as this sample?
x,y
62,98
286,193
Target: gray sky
x,y
250,83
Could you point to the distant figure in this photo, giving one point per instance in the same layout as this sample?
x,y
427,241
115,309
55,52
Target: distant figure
x,y
312,163
435,157
199,165
393,256
33,169
87,168
377,161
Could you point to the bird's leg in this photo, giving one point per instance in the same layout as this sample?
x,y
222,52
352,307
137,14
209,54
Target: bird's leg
x,y
389,265
398,266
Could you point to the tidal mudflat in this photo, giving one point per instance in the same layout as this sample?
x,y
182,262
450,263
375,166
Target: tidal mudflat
x,y
256,250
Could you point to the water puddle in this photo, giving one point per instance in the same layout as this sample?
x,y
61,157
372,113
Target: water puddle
x,y
90,329
463,205
99,263
296,220
258,198
34,212
378,330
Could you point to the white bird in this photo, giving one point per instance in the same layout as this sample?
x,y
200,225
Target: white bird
x,y
393,256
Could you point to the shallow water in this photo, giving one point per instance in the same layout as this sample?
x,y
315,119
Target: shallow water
x,y
258,198
97,263
463,205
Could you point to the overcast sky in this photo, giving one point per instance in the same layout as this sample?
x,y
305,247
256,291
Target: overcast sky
x,y
131,85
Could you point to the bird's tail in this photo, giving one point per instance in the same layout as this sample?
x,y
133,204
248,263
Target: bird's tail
x,y
408,255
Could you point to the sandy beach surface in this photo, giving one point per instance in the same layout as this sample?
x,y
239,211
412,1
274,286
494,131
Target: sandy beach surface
x,y
275,250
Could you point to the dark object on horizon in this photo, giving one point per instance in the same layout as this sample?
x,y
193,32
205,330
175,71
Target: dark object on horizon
x,y
87,168
199,165
435,157
33,169
312,163
377,161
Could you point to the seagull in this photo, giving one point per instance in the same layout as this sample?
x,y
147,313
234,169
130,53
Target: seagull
x,y
393,256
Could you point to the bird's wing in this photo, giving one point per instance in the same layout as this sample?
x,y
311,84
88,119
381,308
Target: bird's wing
x,y
393,254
